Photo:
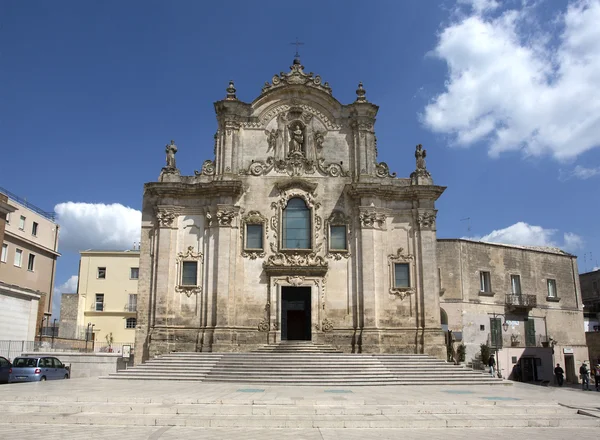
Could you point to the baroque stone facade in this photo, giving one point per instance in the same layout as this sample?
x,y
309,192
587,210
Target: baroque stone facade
x,y
292,231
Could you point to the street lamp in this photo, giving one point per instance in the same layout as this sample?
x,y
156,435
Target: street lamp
x,y
53,331
505,326
42,327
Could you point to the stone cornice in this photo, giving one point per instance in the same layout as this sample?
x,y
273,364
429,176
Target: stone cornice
x,y
210,189
392,190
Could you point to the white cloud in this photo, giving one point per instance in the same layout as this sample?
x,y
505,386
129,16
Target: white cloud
x,y
97,226
69,286
579,172
517,88
524,234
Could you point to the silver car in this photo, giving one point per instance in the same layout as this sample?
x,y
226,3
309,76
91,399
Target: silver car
x,y
33,369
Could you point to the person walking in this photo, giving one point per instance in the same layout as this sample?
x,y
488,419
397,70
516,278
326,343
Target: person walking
x,y
585,377
597,376
560,375
492,365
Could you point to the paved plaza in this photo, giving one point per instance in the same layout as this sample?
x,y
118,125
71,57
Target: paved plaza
x,y
95,408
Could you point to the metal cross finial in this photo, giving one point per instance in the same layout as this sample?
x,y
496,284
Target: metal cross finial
x,y
297,43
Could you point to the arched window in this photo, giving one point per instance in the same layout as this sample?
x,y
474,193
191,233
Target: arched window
x,y
296,225
444,319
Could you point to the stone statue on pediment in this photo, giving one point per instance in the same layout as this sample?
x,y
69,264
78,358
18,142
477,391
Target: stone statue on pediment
x,y
171,149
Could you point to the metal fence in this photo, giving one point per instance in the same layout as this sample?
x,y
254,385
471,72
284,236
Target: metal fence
x,y
12,349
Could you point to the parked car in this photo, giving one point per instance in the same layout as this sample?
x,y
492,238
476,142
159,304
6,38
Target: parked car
x,y
4,369
36,369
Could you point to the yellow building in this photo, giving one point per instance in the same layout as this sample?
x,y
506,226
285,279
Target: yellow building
x,y
108,283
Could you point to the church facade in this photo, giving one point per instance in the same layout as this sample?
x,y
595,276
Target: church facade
x,y
293,232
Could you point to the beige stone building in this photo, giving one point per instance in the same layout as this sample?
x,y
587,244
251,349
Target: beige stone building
x,y
294,231
523,301
27,267
107,296
590,291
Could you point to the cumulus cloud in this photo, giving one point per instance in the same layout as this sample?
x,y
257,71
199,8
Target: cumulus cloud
x,y
69,286
517,87
579,172
97,226
525,234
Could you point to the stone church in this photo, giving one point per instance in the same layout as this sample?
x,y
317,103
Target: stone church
x,y
294,232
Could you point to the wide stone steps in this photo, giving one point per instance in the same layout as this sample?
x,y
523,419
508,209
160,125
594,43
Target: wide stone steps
x,y
293,366
246,415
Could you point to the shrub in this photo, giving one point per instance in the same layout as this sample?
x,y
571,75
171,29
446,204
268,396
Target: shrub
x,y
461,352
485,353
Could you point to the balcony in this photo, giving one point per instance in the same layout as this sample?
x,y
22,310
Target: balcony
x,y
131,308
517,340
521,301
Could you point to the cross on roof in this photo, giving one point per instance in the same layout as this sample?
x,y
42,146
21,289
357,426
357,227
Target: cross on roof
x,y
297,43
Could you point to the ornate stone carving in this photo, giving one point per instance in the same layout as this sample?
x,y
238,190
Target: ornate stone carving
x,y
295,280
253,255
383,170
360,93
427,219
225,217
297,76
400,257
252,218
272,137
371,219
208,169
188,290
190,255
259,168
165,217
263,325
296,259
307,110
209,218
327,325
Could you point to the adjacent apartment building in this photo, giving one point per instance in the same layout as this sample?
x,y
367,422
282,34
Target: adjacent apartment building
x,y
522,301
107,295
29,237
590,292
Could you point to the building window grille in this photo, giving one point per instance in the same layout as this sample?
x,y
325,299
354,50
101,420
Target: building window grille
x,y
485,282
296,225
189,273
401,275
131,323
99,302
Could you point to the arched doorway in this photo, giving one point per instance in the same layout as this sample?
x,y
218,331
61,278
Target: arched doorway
x,y
444,320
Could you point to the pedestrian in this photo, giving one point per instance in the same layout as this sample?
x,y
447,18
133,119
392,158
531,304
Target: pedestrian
x,y
560,375
492,365
597,376
585,377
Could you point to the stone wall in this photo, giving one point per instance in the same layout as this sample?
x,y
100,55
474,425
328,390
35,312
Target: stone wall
x,y
593,342
68,316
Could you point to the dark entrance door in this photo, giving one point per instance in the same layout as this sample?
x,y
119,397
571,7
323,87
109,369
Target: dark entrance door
x,y
295,313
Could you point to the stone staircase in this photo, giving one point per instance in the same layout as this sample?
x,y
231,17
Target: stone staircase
x,y
306,364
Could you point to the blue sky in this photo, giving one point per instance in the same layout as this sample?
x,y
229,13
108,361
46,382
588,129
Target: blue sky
x,y
503,96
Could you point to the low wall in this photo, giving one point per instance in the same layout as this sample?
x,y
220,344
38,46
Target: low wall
x,y
88,364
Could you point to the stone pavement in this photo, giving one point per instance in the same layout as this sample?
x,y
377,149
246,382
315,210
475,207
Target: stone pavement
x,y
93,408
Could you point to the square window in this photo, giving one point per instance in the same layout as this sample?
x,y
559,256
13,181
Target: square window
x,y
102,273
131,323
484,282
4,252
254,236
22,223
401,275
482,327
99,302
337,235
515,284
189,273
134,273
18,257
31,262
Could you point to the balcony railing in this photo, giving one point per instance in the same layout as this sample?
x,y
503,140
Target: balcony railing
x,y
131,308
517,340
525,301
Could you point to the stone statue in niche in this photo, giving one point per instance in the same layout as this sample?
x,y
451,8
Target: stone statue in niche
x,y
297,142
171,149
420,156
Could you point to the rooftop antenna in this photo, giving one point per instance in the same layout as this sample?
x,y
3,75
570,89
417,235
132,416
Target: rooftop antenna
x,y
468,220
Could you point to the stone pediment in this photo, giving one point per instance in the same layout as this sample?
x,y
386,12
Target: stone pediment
x,y
296,76
296,263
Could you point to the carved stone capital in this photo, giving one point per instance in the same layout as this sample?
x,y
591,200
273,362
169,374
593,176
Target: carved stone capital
x,y
225,217
165,216
372,219
188,290
190,255
426,220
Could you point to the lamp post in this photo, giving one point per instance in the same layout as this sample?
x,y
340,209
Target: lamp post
x,y
505,328
42,327
53,331
93,337
87,335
